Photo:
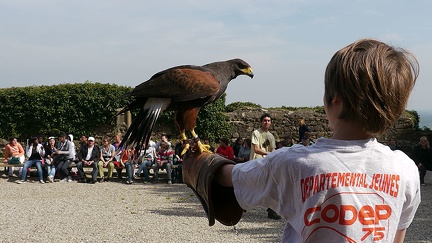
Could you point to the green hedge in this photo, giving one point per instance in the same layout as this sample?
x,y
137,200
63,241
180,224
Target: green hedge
x,y
76,108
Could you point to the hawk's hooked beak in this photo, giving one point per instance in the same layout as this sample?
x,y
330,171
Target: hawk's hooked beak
x,y
248,71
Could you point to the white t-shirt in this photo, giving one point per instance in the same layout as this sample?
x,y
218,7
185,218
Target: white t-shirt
x,y
89,153
334,190
259,137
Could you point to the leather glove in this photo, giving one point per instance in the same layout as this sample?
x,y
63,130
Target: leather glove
x,y
219,202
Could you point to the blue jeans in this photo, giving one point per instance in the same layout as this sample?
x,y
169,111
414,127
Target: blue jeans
x,y
129,170
80,166
30,163
51,169
164,165
177,173
143,168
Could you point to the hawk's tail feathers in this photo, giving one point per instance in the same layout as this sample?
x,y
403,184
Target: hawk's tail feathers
x,y
139,132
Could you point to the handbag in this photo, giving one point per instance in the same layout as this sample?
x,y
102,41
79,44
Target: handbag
x,y
48,161
14,160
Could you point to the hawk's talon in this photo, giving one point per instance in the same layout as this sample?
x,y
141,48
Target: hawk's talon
x,y
185,149
204,148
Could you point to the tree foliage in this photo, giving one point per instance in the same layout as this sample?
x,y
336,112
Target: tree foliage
x,y
414,115
237,105
211,121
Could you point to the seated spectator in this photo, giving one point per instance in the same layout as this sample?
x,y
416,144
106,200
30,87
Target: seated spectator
x,y
422,156
83,141
225,150
126,159
14,154
63,157
164,159
279,145
107,153
116,143
244,152
49,161
41,140
164,138
117,164
88,156
237,145
152,144
177,175
70,138
146,159
306,141
35,152
206,141
288,141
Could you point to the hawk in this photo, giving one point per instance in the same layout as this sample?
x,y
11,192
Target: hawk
x,y
183,89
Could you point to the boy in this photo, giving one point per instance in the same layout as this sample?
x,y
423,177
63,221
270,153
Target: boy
x,y
347,188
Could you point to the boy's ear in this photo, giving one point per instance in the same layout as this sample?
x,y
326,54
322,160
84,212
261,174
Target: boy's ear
x,y
336,99
337,103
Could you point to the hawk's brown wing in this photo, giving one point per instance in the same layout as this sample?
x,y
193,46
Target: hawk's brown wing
x,y
182,84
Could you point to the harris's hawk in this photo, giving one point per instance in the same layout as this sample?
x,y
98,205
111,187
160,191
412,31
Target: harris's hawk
x,y
183,89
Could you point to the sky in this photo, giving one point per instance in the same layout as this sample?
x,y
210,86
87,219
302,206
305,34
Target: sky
x,y
288,43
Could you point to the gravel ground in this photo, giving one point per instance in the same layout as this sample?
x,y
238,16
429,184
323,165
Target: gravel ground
x,y
116,212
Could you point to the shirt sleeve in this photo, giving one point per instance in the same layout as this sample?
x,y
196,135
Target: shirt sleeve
x,y
29,151
253,184
230,153
254,138
7,152
412,199
20,150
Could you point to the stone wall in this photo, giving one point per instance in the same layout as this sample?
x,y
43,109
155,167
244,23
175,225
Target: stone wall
x,y
245,120
284,122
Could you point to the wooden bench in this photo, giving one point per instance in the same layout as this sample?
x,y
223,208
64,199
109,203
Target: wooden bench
x,y
73,165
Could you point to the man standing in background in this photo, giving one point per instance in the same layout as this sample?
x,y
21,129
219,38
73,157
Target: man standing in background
x,y
263,142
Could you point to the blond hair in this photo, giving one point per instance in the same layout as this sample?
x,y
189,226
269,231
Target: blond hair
x,y
427,141
373,80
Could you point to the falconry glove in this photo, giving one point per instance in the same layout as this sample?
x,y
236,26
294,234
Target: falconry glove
x,y
219,202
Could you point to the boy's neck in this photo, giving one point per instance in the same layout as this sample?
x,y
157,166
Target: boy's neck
x,y
344,130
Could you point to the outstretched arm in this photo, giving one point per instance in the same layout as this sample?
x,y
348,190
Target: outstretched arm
x,y
400,236
223,175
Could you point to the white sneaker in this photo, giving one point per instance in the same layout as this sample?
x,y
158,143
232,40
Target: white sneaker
x,y
69,179
41,182
63,180
50,179
20,182
169,182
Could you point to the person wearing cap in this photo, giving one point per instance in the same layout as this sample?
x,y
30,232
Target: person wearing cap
x,y
63,157
49,163
88,156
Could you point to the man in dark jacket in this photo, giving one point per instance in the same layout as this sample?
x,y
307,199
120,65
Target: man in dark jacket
x,y
88,156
